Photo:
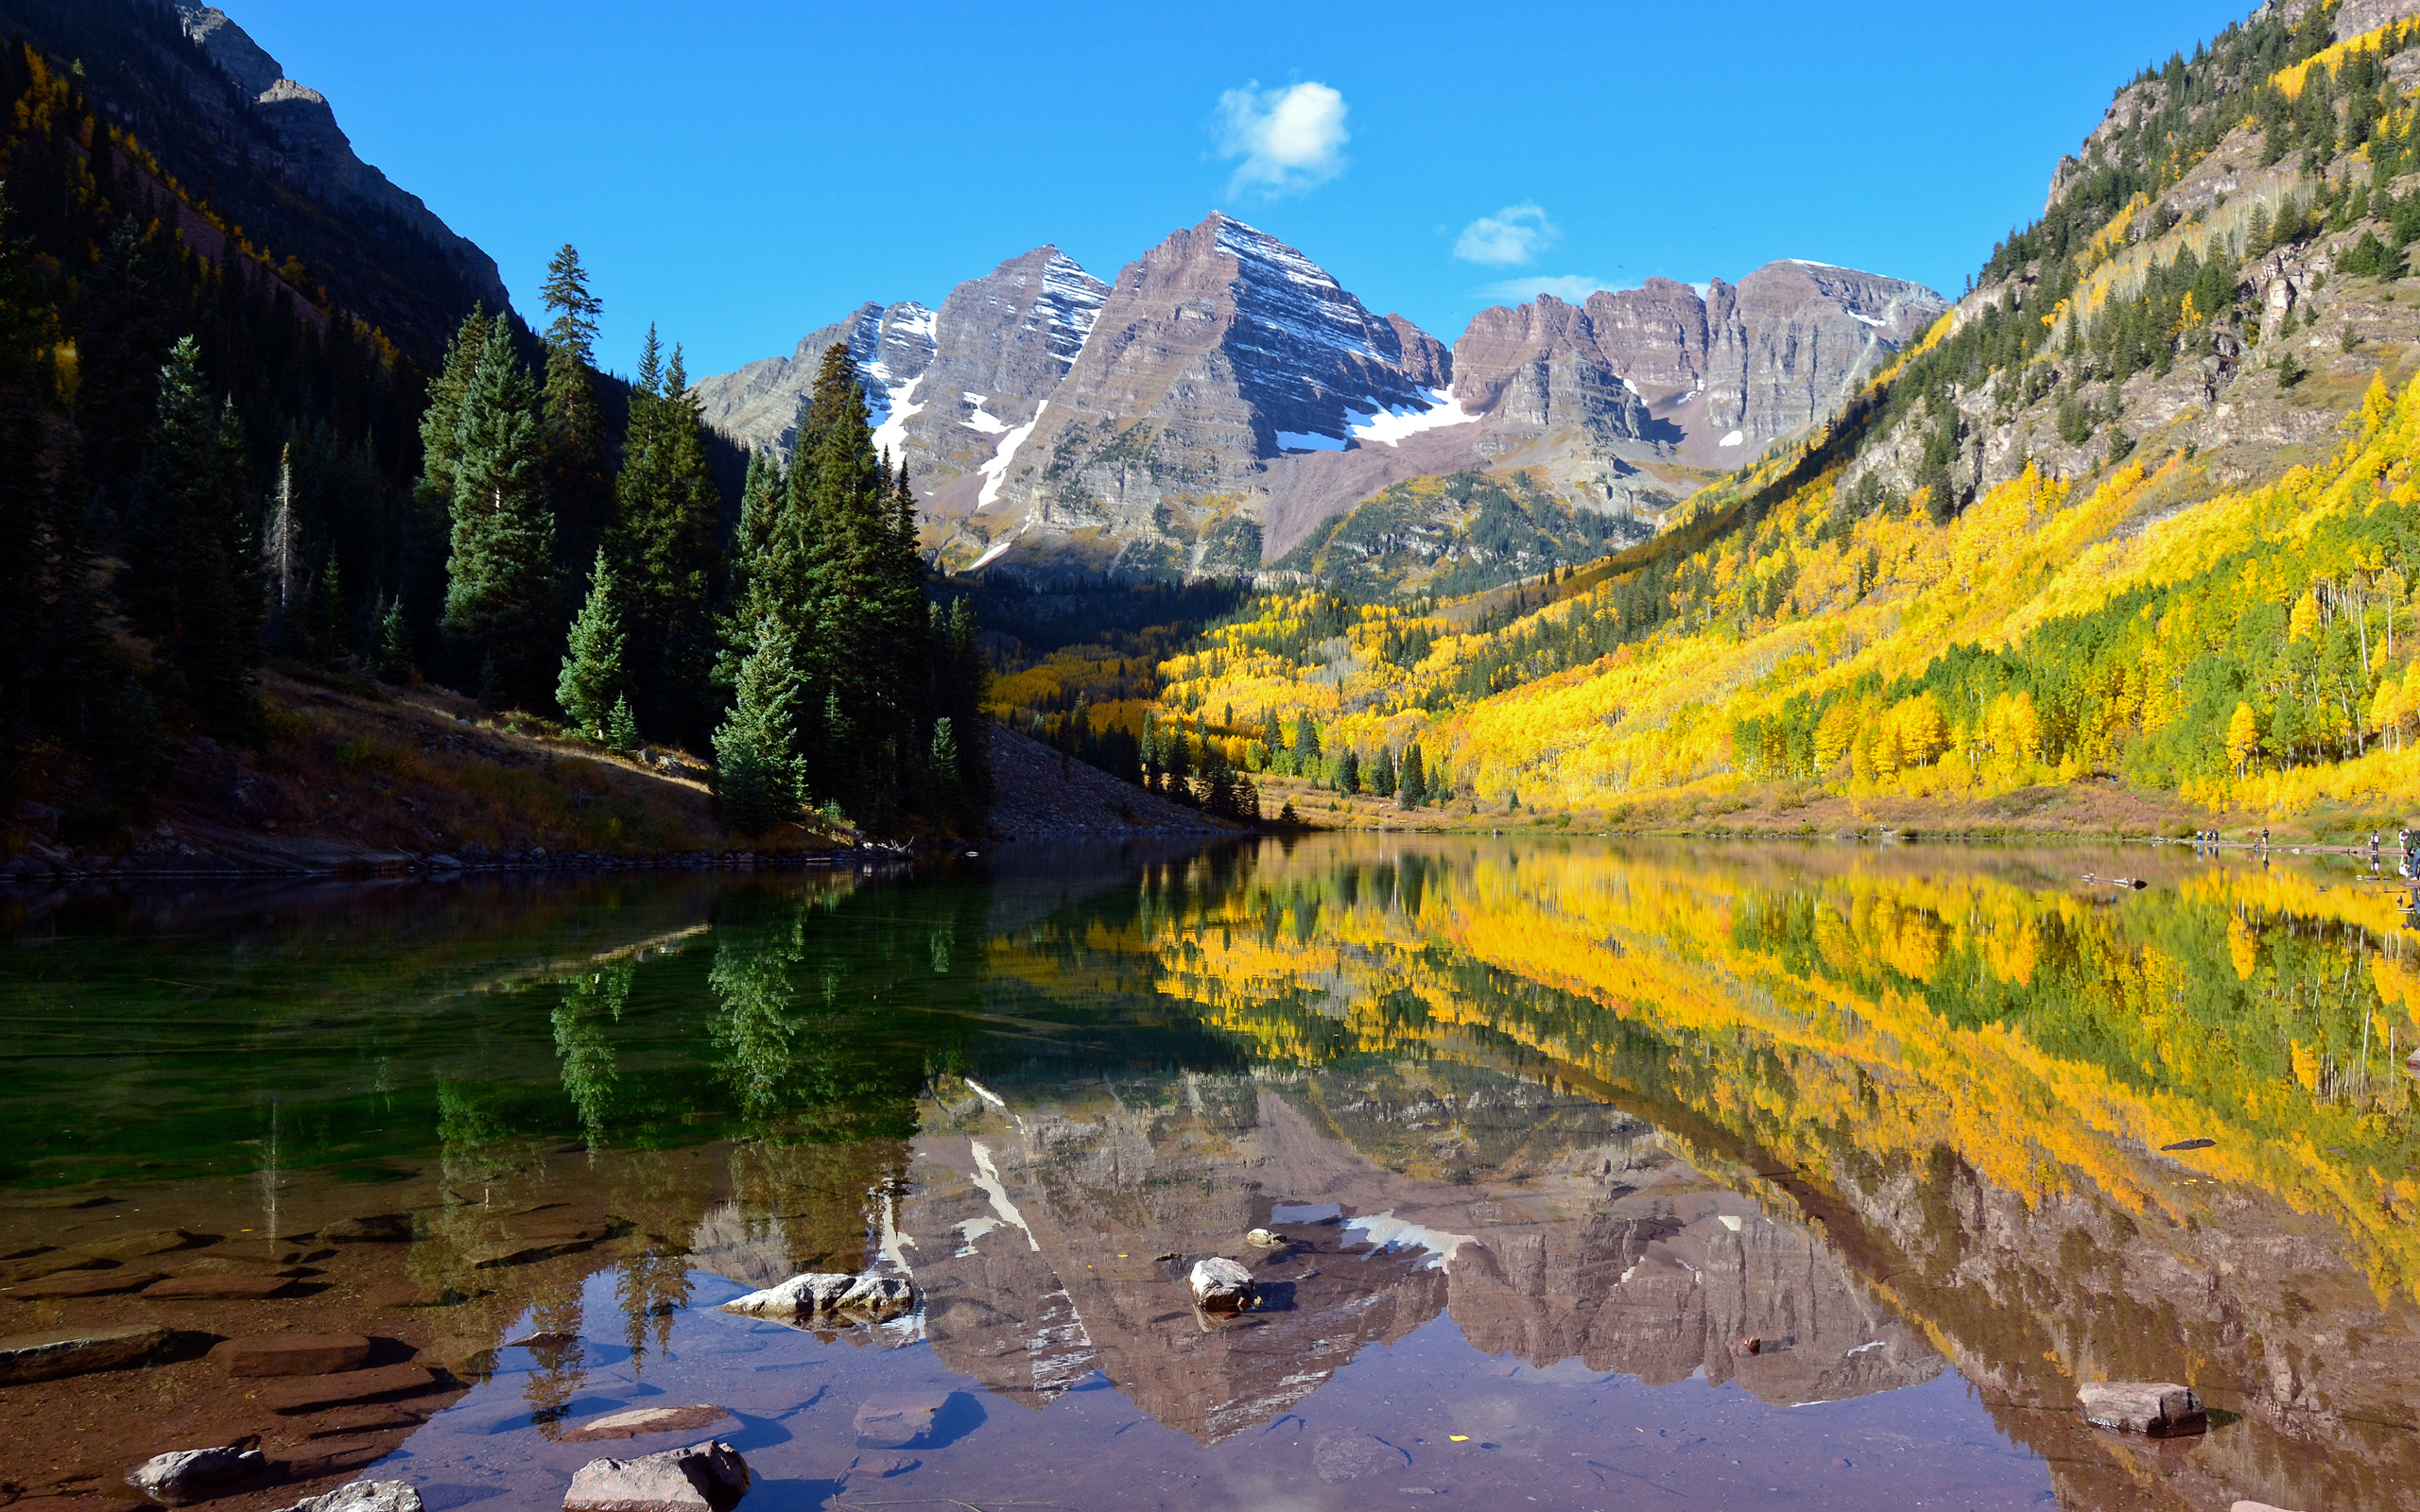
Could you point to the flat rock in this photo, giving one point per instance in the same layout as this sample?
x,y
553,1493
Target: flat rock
x,y
708,1477
363,1496
2162,1409
73,1283
138,1244
375,1418
1349,1455
377,1228
54,1354
55,1201
637,1421
306,1393
897,1421
529,1248
219,1288
292,1354
2257,1506
1221,1285
193,1474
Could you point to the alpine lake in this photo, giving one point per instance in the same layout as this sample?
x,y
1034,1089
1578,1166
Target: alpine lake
x,y
1596,1173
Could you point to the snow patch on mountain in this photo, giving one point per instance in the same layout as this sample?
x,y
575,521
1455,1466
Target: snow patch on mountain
x,y
995,471
1392,425
898,407
1070,302
983,419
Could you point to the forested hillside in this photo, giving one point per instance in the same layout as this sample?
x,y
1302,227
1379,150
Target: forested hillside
x,y
2141,507
218,459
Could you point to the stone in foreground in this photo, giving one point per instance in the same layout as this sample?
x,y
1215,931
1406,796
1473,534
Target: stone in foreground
x,y
637,1421
708,1477
292,1354
818,1294
2162,1409
363,1496
69,1284
56,1353
219,1288
195,1474
1221,1285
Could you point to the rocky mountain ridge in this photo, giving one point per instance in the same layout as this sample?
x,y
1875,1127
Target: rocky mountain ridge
x,y
1226,398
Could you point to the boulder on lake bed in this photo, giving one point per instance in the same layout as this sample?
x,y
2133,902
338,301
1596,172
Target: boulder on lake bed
x,y
363,1496
292,1354
195,1474
835,1295
1263,1239
708,1477
634,1422
219,1288
898,1421
54,1354
377,1228
2162,1409
1221,1285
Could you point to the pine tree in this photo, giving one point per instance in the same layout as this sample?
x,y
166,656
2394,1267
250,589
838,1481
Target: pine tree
x,y
129,317
622,727
440,423
574,428
758,781
594,677
1413,780
667,537
192,580
502,607
394,644
1382,774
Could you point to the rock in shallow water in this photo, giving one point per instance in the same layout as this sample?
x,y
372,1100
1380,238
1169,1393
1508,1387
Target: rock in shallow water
x,y
634,1421
708,1477
56,1353
363,1496
2162,1409
292,1354
1221,1285
833,1294
193,1474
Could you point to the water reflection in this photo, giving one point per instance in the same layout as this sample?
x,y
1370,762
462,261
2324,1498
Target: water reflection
x,y
1925,1135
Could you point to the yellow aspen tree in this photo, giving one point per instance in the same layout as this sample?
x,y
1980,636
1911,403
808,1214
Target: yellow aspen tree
x,y
2243,738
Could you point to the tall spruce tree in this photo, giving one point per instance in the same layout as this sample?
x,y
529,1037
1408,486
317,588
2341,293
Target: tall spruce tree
x,y
668,537
758,777
575,428
502,600
193,581
594,675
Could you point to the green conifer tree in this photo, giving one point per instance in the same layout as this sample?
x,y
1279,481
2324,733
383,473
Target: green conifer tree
x,y
594,679
668,538
394,644
1412,782
574,427
758,781
622,727
193,578
501,603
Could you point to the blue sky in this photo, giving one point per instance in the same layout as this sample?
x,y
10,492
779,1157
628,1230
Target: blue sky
x,y
741,171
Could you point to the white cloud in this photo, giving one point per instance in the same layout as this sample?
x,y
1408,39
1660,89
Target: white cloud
x,y
1573,288
1290,139
1511,236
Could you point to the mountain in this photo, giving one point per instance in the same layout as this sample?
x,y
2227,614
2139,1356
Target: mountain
x,y
2129,537
263,157
1226,400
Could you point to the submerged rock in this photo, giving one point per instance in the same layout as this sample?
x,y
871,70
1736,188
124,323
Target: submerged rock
x,y
193,1474
292,1354
377,1228
1221,1285
635,1421
56,1353
2162,1409
708,1477
898,1421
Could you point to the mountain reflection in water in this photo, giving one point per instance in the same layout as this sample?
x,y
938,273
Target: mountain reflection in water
x,y
1681,1140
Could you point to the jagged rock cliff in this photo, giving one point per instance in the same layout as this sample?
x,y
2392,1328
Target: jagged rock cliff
x,y
1228,397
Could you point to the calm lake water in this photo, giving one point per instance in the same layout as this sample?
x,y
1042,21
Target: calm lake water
x,y
1614,1175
